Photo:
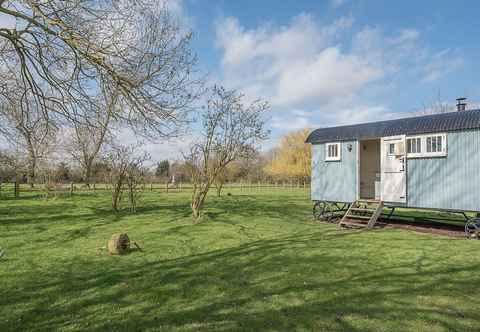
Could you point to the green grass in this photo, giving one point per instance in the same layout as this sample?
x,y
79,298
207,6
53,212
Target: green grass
x,y
257,262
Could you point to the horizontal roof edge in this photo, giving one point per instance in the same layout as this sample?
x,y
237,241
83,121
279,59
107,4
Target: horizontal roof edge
x,y
453,121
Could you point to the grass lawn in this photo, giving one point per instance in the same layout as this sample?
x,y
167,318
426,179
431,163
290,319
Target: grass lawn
x,y
256,263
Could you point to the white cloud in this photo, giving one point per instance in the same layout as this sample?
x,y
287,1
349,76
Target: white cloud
x,y
294,123
441,64
170,149
292,65
338,3
359,114
304,65
328,74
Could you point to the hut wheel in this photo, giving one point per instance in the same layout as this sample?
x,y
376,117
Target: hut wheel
x,y
318,210
472,228
329,213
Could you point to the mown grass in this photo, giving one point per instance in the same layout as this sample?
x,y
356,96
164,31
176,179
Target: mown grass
x,y
257,262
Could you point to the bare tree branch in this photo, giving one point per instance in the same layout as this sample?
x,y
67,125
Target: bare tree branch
x,y
66,51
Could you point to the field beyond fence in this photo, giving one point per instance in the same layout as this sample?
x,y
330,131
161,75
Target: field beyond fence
x,y
7,190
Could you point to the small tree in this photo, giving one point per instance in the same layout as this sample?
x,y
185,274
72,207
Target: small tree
x,y
91,131
163,168
230,131
25,125
126,172
63,172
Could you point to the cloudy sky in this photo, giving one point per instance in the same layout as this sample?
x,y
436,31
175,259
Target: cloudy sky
x,y
324,63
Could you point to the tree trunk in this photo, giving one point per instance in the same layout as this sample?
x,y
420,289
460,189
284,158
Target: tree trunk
x,y
116,194
16,189
88,172
31,167
131,195
197,204
219,187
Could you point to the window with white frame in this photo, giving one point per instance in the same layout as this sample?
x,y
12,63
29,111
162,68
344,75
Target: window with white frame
x,y
432,145
333,152
414,145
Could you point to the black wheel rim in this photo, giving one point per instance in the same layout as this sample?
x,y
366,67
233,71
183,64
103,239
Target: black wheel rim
x,y
318,210
329,214
472,228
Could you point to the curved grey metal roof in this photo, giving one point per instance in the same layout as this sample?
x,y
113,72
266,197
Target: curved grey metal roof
x,y
407,126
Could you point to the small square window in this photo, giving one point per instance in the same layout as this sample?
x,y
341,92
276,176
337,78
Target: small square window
x,y
333,152
414,145
391,149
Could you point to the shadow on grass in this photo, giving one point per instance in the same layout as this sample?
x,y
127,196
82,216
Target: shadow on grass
x,y
275,284
318,278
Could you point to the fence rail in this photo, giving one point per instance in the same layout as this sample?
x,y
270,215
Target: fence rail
x,y
15,190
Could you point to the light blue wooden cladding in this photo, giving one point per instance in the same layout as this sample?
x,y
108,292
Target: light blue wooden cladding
x,y
451,182
334,180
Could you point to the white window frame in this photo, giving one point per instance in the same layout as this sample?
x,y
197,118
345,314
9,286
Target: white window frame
x,y
338,157
422,147
423,140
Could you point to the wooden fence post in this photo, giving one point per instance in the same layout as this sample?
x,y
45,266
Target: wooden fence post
x,y
16,189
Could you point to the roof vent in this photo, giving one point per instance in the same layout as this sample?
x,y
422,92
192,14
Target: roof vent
x,y
461,104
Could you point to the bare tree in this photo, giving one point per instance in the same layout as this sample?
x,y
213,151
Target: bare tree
x,y
92,132
66,51
29,129
8,166
437,106
136,175
126,172
231,130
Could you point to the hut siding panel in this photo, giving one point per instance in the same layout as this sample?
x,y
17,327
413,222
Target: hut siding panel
x,y
452,182
334,180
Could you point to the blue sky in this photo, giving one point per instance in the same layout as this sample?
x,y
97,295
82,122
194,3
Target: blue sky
x,y
325,63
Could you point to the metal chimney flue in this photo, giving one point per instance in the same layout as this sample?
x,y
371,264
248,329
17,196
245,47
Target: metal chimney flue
x,y
461,104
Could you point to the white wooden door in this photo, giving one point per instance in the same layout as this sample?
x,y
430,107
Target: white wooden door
x,y
393,170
